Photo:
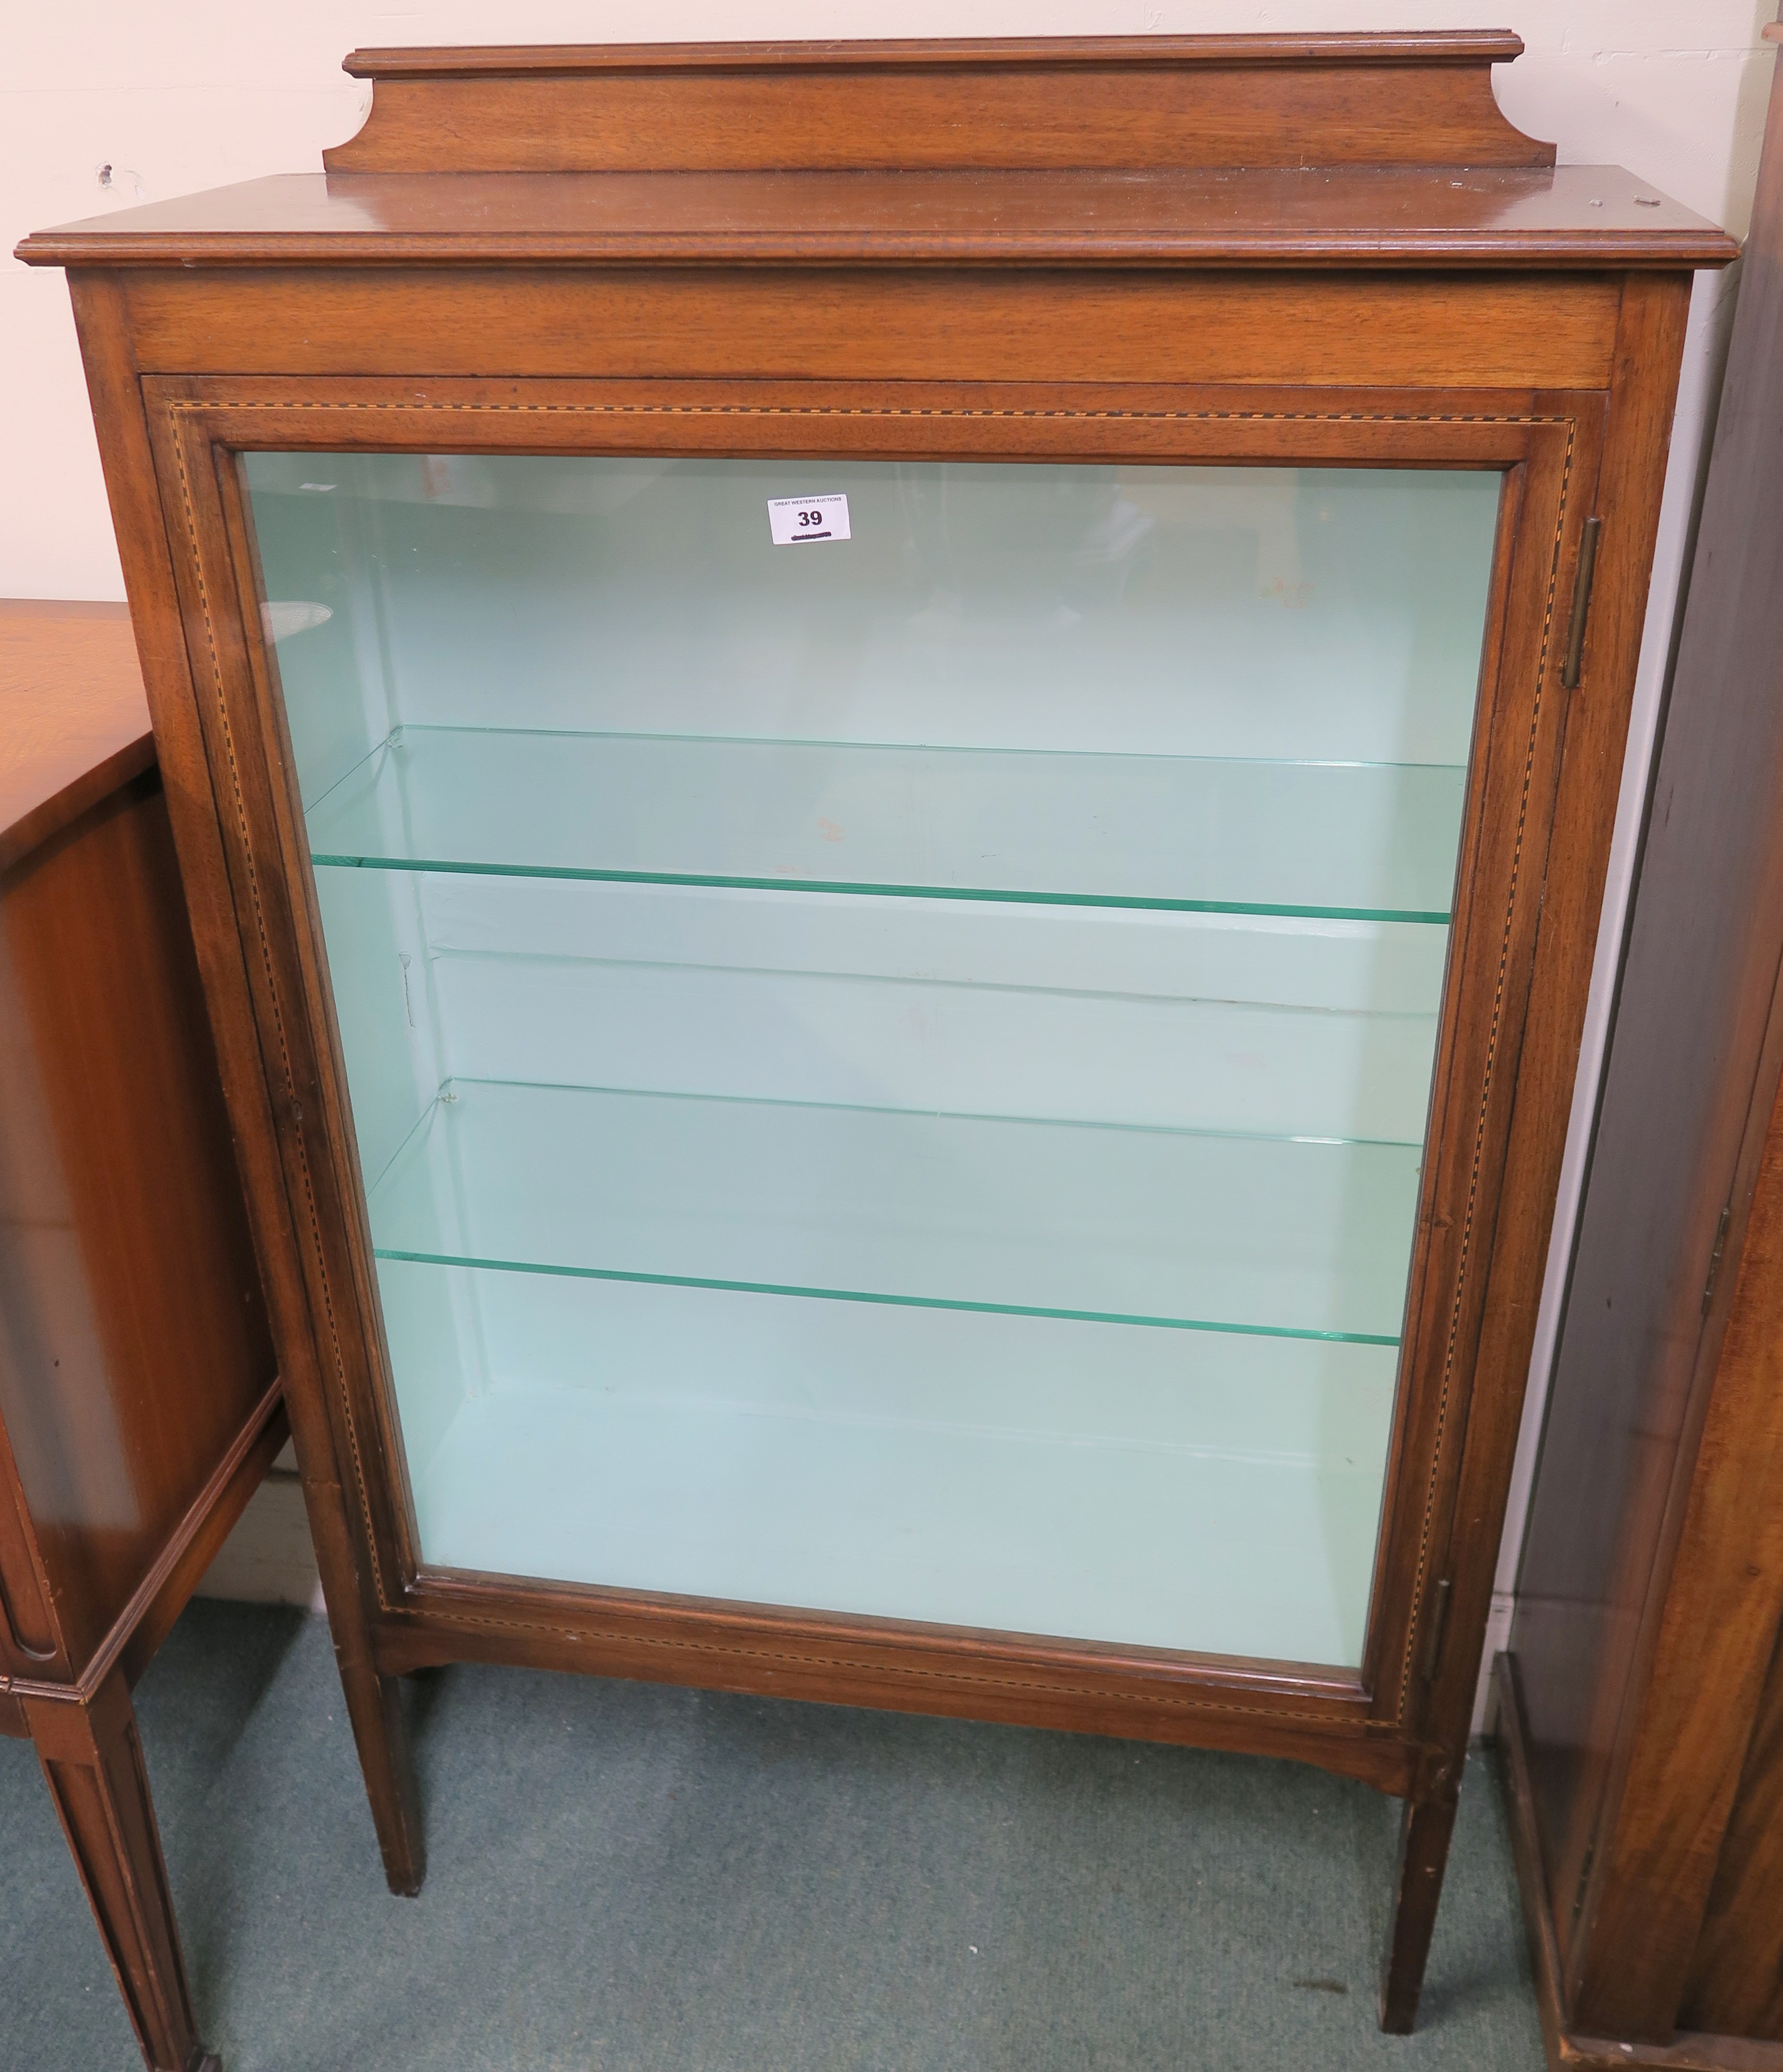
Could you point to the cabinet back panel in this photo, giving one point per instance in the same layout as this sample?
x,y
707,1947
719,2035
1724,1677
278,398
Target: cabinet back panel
x,y
124,1252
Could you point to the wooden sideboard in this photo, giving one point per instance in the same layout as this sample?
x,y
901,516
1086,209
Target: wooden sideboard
x,y
1643,1700
140,1403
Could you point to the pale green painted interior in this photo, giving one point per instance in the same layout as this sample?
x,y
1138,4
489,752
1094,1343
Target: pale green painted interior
x,y
891,1076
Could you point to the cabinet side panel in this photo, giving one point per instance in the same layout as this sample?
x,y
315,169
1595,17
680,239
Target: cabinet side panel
x,y
1689,1732
1736,1980
1696,986
137,1341
29,1641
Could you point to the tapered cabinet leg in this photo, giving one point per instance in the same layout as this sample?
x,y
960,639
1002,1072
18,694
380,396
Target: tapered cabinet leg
x,y
92,1761
1424,1835
374,1704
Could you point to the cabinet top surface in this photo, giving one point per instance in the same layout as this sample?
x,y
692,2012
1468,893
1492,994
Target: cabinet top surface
x,y
74,722
1325,150
1564,216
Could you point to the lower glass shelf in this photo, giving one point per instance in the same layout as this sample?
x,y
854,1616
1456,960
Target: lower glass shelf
x,y
1284,1236
1216,1494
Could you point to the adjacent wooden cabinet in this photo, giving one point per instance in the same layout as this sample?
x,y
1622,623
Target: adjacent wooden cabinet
x,y
893,762
139,1403
1643,1696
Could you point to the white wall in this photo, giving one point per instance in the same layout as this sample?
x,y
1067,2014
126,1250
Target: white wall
x,y
176,98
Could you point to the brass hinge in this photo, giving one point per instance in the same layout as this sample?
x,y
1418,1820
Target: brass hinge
x,y
1581,602
1438,1619
1715,1261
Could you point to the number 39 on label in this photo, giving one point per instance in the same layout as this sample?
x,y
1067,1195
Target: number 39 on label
x,y
795,520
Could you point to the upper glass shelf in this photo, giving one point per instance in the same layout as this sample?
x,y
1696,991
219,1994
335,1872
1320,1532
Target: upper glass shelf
x,y
1334,841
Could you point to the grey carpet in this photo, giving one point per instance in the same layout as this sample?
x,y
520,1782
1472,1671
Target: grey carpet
x,y
628,1879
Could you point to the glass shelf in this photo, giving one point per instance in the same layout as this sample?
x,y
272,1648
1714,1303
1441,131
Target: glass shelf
x,y
1334,841
1177,1229
1220,1494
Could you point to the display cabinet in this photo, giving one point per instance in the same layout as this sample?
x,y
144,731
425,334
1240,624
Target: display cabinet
x,y
894,761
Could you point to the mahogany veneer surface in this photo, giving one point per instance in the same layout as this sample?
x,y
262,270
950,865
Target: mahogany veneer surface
x,y
140,1403
134,1340
74,719
1574,215
1645,1697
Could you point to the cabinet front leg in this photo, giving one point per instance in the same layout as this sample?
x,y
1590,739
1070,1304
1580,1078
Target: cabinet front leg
x,y
93,1762
1424,1832
374,1704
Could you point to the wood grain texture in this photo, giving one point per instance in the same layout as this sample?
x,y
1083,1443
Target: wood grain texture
x,y
779,56
1723,1601
136,1343
1596,723
30,1635
1641,1633
422,324
451,1617
1695,995
1426,1827
139,1405
1494,937
1576,216
1567,2050
324,1445
1736,1983
1035,419
164,1592
1514,1227
74,723
1114,101
92,1760
169,1580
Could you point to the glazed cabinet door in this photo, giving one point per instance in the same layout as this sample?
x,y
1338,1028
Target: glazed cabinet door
x,y
892,1008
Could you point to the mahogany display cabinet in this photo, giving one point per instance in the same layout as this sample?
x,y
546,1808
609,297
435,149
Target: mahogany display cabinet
x,y
893,762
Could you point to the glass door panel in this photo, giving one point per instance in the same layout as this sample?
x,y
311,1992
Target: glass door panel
x,y
891,1071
